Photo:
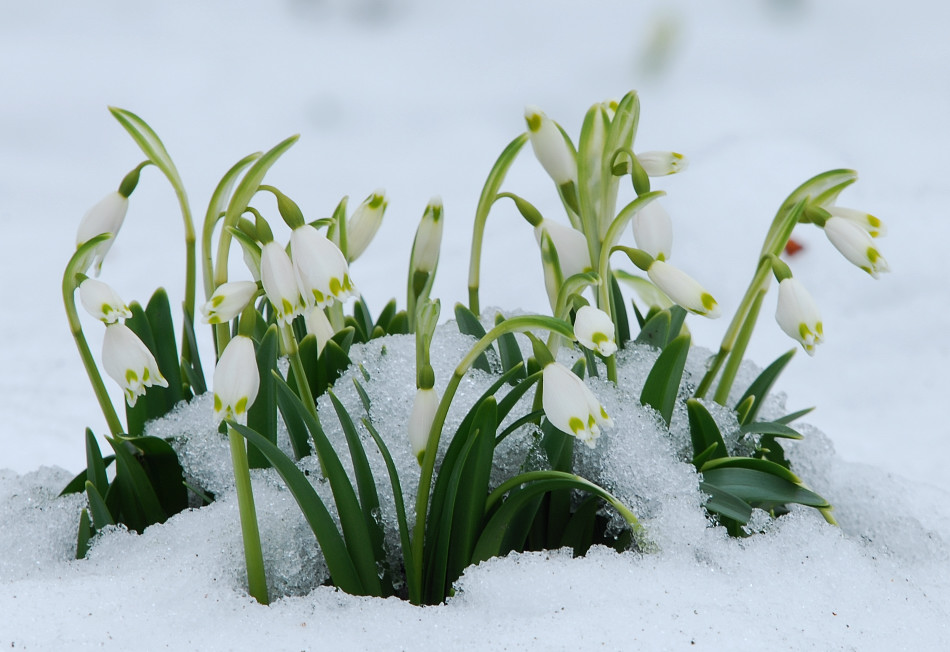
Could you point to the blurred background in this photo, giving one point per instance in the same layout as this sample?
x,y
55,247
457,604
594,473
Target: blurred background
x,y
420,96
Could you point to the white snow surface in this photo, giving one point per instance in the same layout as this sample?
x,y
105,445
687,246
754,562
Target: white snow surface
x,y
419,97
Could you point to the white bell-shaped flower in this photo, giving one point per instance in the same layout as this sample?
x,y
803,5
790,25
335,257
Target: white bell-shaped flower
x,y
549,146
102,302
129,362
570,406
682,289
873,225
797,314
227,301
105,217
280,282
595,330
571,245
322,273
856,245
653,230
424,407
236,381
362,226
660,164
319,326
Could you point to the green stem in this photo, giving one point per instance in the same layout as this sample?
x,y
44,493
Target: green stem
x,y
741,344
250,533
74,267
514,324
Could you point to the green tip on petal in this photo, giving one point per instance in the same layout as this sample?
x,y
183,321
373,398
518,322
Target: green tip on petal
x,y
576,425
534,121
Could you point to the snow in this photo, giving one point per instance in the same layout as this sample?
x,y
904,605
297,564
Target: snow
x,y
420,96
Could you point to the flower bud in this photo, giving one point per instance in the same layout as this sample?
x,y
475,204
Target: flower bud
x,y
424,407
683,289
570,406
105,217
874,226
550,148
319,326
236,381
280,282
364,223
594,329
571,245
428,241
856,245
227,301
653,230
320,267
102,302
660,164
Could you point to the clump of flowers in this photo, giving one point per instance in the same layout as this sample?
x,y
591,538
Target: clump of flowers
x,y
291,303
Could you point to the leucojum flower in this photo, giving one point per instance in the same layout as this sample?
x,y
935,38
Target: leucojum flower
x,y
855,243
105,217
797,314
320,267
653,230
594,329
364,223
236,381
228,300
280,282
570,406
129,362
424,406
102,302
683,289
550,148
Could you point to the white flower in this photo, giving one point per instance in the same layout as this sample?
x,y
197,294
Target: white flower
x,y
227,301
571,245
798,315
428,240
570,406
683,289
280,282
594,329
236,381
855,244
874,226
102,302
549,146
424,407
653,230
660,164
105,217
319,326
322,273
129,362
364,223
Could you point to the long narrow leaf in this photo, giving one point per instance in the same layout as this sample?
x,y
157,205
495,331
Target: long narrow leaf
x,y
662,383
763,383
262,417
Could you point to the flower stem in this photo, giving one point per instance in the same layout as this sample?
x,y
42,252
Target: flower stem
x,y
250,533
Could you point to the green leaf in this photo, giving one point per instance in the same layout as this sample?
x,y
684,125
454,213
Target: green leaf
x,y
724,503
148,140
386,316
788,418
619,312
101,516
707,439
510,353
469,325
84,534
159,314
365,483
296,428
656,330
339,563
262,416
774,428
579,531
760,386
95,465
353,521
192,370
662,383
762,488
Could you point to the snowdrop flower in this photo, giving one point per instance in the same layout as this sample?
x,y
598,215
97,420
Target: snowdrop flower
x,y
571,245
319,326
594,329
280,282
424,407
653,230
236,381
228,300
660,164
874,226
855,244
683,289
798,315
129,362
105,217
550,148
428,241
320,267
570,406
102,302
364,223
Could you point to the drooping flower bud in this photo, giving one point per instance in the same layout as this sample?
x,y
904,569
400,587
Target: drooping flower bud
x,y
683,289
797,314
236,381
319,326
320,267
424,406
550,148
227,301
653,230
594,329
105,217
660,164
856,245
570,406
280,282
